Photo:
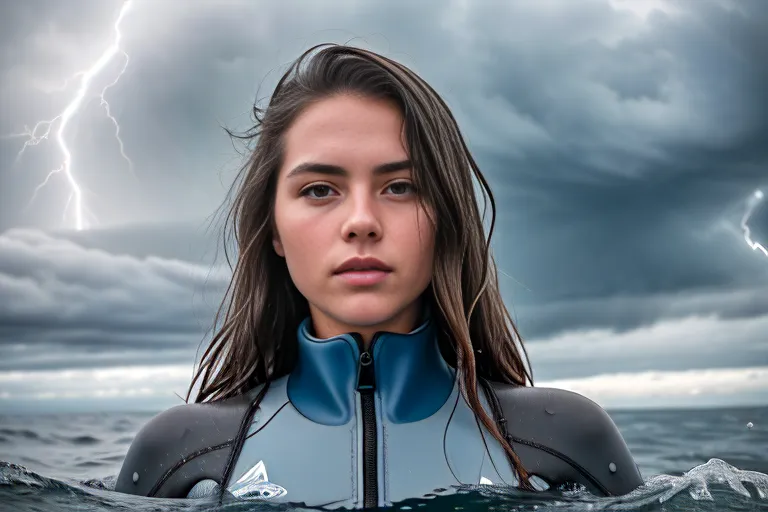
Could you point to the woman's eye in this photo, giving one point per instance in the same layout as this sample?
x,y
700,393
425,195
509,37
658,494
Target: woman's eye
x,y
324,191
401,188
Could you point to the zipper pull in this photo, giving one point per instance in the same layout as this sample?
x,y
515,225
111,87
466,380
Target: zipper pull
x,y
366,380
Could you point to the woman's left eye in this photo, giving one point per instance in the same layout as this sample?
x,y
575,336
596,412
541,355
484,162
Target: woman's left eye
x,y
402,187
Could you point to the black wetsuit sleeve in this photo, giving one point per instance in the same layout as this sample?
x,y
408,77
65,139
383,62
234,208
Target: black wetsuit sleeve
x,y
565,438
180,447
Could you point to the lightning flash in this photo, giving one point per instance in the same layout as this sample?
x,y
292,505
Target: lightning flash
x,y
62,120
755,199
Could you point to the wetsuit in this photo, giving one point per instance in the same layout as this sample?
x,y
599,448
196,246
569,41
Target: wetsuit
x,y
349,428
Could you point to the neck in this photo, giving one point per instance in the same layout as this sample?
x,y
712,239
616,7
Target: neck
x,y
326,326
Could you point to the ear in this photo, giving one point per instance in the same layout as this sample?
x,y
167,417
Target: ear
x,y
278,246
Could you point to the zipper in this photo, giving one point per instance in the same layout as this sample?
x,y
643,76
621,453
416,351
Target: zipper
x,y
366,386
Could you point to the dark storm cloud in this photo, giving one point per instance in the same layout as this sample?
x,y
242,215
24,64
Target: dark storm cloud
x,y
626,313
655,144
641,191
687,87
649,237
690,344
64,305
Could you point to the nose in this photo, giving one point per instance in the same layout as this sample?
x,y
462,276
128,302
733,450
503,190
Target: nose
x,y
362,219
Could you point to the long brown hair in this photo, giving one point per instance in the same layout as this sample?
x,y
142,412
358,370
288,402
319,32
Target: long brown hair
x,y
256,341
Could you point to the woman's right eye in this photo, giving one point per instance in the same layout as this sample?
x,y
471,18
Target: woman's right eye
x,y
323,189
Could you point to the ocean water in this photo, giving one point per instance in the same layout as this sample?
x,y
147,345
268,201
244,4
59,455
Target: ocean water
x,y
691,460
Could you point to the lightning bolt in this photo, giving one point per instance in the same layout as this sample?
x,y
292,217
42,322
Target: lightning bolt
x,y
755,199
45,127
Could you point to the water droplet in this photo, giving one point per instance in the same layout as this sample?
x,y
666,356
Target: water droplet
x,y
612,467
549,411
750,425
135,477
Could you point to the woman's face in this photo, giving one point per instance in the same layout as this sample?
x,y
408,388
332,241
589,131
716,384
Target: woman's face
x,y
345,208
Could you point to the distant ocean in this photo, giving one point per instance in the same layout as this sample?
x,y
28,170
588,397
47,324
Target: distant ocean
x,y
691,460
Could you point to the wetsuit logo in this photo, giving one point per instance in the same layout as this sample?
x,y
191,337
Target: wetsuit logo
x,y
255,484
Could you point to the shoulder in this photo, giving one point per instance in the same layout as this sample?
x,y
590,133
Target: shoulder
x,y
570,436
156,462
580,417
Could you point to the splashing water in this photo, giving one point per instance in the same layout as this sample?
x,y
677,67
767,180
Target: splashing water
x,y
698,484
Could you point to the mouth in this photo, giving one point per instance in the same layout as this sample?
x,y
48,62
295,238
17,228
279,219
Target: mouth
x,y
363,271
363,265
363,277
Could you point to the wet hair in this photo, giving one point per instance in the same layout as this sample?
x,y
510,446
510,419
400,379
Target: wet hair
x,y
255,340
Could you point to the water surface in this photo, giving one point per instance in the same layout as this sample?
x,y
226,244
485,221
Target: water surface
x,y
691,460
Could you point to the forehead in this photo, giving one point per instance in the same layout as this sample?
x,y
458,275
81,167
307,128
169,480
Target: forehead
x,y
346,130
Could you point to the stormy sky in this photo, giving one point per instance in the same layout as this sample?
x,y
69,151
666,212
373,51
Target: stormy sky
x,y
624,141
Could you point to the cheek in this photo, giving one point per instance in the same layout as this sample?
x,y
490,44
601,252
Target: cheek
x,y
419,239
304,241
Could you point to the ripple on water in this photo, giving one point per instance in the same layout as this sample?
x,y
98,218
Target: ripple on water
x,y
80,440
22,433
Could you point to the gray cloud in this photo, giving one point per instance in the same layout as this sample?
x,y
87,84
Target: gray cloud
x,y
625,313
687,81
692,343
633,240
62,304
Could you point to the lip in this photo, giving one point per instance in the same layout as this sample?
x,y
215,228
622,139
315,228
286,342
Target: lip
x,y
363,277
358,265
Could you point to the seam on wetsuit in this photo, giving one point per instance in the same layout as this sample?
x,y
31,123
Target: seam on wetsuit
x,y
498,417
445,435
183,461
267,423
384,449
502,422
240,439
564,458
488,453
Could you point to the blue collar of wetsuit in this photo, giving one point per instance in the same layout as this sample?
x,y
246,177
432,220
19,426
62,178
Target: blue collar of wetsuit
x,y
411,377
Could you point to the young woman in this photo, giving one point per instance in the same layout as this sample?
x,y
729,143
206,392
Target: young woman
x,y
365,354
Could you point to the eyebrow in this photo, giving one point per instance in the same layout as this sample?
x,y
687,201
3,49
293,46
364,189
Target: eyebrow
x,y
336,170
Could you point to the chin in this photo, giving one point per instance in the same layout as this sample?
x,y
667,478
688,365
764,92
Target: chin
x,y
365,312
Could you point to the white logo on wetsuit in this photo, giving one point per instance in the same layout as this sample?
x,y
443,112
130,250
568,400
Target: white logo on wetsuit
x,y
255,484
